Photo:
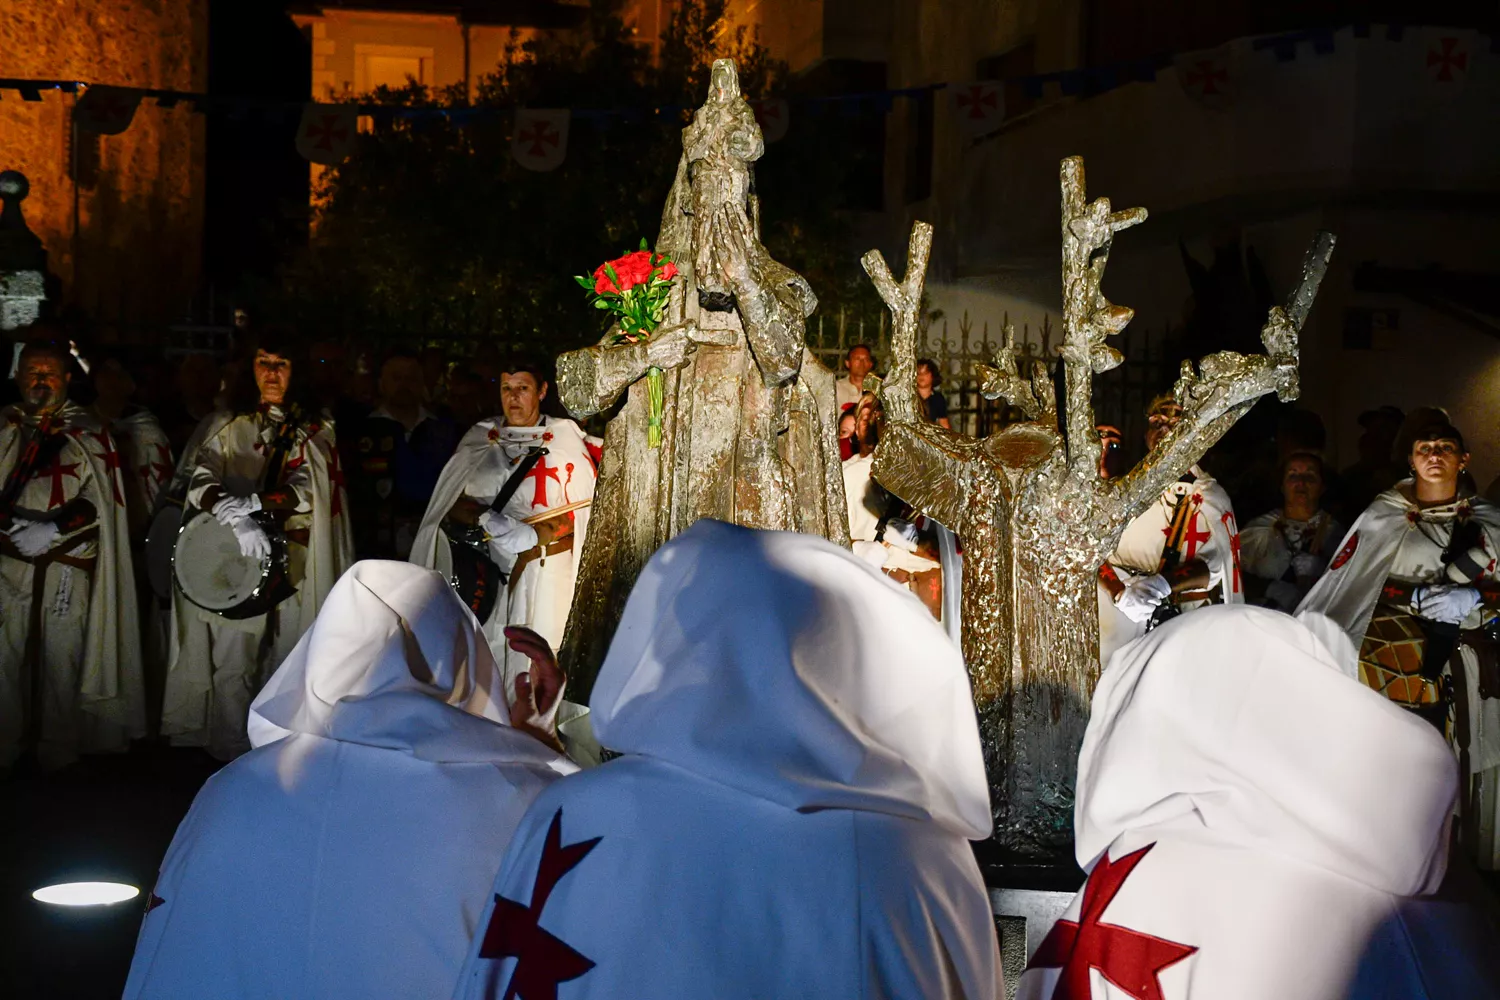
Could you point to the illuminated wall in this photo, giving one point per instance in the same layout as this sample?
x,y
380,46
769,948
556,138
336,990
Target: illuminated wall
x,y
121,216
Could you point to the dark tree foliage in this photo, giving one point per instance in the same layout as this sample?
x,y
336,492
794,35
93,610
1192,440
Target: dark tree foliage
x,y
432,233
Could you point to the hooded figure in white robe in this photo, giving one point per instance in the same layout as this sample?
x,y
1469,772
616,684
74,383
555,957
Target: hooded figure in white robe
x,y
350,853
791,816
1268,828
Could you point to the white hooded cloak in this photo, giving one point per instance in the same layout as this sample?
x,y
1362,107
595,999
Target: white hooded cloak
x,y
1257,830
350,853
801,776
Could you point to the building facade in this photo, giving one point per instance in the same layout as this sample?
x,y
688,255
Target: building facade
x,y
98,202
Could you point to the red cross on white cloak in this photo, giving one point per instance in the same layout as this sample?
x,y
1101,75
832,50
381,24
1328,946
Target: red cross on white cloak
x,y
111,459
1195,536
335,483
160,469
57,470
1129,959
1234,545
542,472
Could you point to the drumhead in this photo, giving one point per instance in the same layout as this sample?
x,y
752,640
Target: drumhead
x,y
209,568
161,539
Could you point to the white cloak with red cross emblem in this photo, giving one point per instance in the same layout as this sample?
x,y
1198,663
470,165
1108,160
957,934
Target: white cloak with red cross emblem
x,y
801,776
1395,537
1268,828
1212,536
106,676
350,854
541,594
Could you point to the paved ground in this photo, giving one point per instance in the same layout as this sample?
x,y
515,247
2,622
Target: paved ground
x,y
102,818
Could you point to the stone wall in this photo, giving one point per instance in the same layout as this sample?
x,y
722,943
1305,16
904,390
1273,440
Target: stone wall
x,y
122,216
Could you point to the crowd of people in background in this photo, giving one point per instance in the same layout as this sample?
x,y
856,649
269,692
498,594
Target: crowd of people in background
x,y
369,678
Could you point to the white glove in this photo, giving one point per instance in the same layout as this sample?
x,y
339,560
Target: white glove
x,y
232,510
901,535
1441,602
1306,564
254,543
1142,596
871,552
32,538
508,536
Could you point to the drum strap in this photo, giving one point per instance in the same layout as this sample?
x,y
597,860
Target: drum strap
x,y
281,447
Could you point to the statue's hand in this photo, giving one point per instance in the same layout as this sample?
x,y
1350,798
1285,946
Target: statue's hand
x,y
671,346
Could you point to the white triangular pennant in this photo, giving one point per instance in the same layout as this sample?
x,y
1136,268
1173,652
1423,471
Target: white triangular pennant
x,y
978,106
774,115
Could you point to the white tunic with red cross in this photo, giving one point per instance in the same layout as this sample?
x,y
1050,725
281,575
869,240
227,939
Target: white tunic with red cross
x,y
541,594
1211,535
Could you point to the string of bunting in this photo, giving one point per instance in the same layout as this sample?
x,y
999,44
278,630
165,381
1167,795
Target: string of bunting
x,y
539,136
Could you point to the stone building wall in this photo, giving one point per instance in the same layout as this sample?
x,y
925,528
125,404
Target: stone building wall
x,y
121,216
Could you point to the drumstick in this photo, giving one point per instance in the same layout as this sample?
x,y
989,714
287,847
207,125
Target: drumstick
x,y
555,511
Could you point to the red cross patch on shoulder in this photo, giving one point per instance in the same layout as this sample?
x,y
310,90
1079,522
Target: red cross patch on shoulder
x,y
1345,553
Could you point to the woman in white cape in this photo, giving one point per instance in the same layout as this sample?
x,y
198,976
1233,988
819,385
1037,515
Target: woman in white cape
x,y
791,816
350,853
1257,824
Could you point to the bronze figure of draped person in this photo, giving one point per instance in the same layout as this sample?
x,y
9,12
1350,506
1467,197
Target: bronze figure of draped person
x,y
749,432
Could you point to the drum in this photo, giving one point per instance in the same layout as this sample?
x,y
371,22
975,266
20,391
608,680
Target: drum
x,y
161,540
211,573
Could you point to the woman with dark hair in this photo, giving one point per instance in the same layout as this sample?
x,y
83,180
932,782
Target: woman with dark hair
x,y
270,464
1286,550
934,404
1411,588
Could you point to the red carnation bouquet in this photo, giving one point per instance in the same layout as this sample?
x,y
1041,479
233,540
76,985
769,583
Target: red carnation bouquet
x,y
635,289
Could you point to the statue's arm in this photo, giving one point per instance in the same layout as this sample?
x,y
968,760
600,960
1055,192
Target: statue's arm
x,y
591,379
773,320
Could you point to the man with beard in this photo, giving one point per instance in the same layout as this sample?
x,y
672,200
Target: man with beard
x,y
70,653
219,663
535,532
1182,553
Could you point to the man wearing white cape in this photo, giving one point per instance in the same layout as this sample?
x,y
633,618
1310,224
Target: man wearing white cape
x,y
349,855
1190,525
67,584
791,816
538,535
216,664
1403,586
1267,829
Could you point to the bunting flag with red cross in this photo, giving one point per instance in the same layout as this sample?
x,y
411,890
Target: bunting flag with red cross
x,y
105,110
1207,77
1447,56
326,133
978,106
773,115
540,139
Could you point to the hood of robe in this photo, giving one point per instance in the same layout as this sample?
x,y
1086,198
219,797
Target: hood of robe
x,y
1238,720
780,665
394,659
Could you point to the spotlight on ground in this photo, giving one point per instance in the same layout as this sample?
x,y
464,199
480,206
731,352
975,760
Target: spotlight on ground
x,y
85,893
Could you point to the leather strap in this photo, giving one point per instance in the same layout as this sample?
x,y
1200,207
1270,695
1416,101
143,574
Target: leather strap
x,y
534,553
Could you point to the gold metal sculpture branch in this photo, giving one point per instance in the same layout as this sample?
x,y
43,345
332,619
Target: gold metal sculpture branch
x,y
1088,230
1035,518
899,390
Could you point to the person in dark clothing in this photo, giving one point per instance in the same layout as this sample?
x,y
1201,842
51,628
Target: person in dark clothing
x,y
394,456
934,404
